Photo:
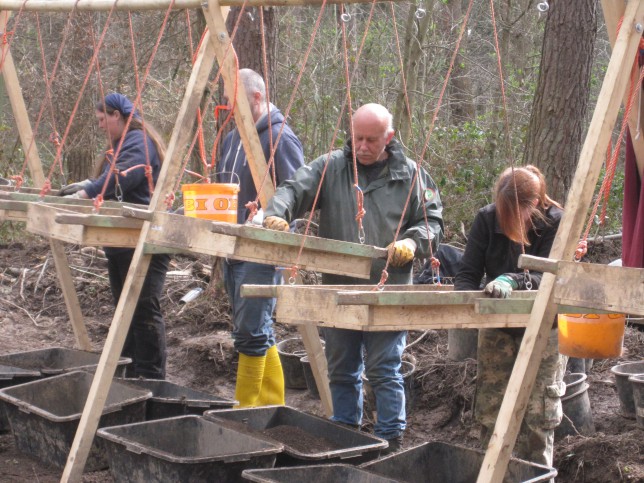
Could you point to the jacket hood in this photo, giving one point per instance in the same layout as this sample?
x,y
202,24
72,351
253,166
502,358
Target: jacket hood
x,y
276,117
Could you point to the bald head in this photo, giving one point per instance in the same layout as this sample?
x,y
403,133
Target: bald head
x,y
372,131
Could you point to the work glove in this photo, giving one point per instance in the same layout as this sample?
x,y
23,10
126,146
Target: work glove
x,y
401,252
276,223
72,188
501,287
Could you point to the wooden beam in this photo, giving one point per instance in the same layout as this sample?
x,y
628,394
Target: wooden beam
x,y
591,160
69,293
138,268
57,200
226,58
613,12
538,264
194,235
441,295
134,5
21,117
258,233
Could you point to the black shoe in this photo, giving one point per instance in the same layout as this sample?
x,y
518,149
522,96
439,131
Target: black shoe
x,y
395,445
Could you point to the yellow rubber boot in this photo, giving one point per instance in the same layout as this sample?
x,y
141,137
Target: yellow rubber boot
x,y
250,371
272,390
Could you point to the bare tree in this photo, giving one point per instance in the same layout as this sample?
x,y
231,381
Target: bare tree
x,y
557,122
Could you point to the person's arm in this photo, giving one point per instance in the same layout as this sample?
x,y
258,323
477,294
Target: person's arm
x,y
132,154
295,196
472,267
425,191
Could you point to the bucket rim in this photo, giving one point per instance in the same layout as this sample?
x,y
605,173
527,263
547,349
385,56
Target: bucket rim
x,y
616,369
201,185
581,378
638,378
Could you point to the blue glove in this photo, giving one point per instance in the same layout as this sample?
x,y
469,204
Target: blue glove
x,y
501,287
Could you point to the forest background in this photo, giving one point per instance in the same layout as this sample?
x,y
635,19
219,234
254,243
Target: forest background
x,y
553,57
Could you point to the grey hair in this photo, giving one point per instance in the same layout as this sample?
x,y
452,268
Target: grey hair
x,y
252,82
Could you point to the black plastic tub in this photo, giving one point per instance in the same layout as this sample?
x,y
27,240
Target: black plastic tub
x,y
438,462
58,360
186,448
307,439
317,474
44,415
12,376
170,400
290,352
624,387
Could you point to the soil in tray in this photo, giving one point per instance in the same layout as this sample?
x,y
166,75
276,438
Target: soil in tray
x,y
299,440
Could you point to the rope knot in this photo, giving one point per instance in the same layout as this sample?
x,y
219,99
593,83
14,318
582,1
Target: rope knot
x,y
169,201
98,202
46,188
582,249
383,279
18,180
252,207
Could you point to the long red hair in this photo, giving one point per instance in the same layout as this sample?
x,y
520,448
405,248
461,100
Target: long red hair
x,y
521,197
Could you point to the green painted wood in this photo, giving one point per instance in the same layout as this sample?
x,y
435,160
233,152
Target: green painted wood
x,y
295,239
104,221
436,297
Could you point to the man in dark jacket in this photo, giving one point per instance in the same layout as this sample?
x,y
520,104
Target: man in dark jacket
x,y
386,177
260,380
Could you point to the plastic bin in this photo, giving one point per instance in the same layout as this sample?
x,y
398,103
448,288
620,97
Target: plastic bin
x,y
625,388
290,352
186,448
58,360
44,415
11,376
317,474
638,397
169,400
307,439
447,463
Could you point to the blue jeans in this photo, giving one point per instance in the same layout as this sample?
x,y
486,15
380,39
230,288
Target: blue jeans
x,y
252,317
382,360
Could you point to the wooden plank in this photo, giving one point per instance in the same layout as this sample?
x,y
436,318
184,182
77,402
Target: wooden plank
x,y
616,289
58,200
442,295
138,268
297,304
579,197
317,359
105,221
193,235
21,117
134,5
258,233
69,293
613,12
271,290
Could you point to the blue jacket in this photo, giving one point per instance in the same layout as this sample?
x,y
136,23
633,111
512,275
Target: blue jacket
x,y
289,157
133,186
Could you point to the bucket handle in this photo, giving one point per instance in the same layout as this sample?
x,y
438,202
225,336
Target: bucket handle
x,y
231,178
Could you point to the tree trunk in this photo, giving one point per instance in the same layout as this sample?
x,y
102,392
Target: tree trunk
x,y
415,34
556,126
248,42
460,85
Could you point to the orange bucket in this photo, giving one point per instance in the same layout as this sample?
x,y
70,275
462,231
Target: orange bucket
x,y
591,336
214,201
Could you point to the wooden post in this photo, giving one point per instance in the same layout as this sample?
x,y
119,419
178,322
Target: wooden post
x,y
20,114
69,293
579,197
138,268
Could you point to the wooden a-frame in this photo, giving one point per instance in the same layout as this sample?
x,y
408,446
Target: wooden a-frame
x,y
534,341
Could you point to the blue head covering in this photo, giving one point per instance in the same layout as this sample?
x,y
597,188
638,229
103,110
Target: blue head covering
x,y
121,103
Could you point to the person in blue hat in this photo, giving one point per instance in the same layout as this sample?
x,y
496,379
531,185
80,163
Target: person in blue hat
x,y
146,342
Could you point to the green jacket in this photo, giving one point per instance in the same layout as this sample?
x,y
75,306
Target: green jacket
x,y
384,199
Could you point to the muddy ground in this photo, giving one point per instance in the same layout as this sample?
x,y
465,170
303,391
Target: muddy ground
x,y
200,355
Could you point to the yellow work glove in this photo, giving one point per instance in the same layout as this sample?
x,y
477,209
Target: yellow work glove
x,y
401,252
276,223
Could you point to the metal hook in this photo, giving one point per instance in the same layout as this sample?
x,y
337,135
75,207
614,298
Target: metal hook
x,y
527,280
345,17
420,13
291,280
543,7
361,235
